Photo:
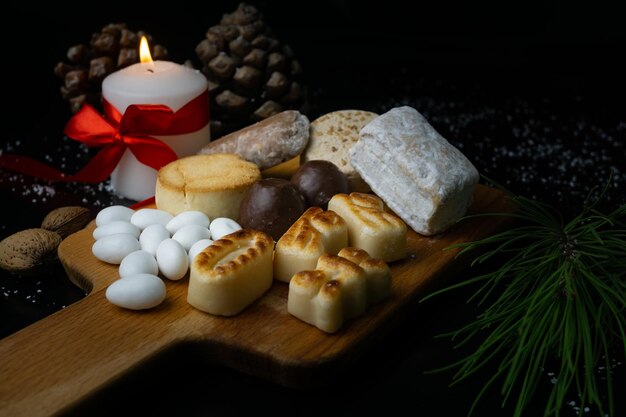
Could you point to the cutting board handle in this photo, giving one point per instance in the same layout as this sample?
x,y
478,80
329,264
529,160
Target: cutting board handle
x,y
73,353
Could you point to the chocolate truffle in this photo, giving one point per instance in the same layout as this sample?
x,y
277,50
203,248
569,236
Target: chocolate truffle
x,y
271,205
319,181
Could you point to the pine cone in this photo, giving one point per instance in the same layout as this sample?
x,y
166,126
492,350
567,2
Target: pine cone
x,y
113,48
251,74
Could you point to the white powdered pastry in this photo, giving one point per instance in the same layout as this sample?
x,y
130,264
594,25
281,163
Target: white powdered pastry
x,y
424,179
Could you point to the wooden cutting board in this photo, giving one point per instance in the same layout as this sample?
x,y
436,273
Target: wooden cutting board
x,y
54,363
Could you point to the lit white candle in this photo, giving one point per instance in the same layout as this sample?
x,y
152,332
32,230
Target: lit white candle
x,y
158,82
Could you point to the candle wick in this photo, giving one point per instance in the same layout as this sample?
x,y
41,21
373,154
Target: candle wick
x,y
150,70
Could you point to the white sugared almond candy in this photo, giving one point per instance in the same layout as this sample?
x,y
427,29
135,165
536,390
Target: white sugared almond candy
x,y
137,292
231,273
150,242
190,234
114,213
113,248
186,218
138,262
314,233
172,259
152,236
339,289
223,226
115,227
382,235
145,217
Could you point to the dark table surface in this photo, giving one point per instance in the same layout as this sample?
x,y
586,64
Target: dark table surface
x,y
533,95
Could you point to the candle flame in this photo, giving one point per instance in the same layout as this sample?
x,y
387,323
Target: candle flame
x,y
144,51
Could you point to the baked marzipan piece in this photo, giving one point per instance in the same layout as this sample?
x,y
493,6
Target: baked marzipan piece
x,y
314,233
231,273
327,296
377,273
338,289
381,234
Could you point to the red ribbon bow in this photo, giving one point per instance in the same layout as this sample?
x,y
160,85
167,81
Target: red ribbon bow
x,y
116,132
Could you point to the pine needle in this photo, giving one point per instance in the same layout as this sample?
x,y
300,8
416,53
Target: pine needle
x,y
559,299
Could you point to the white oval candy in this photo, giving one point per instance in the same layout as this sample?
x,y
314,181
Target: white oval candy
x,y
172,259
138,262
198,247
113,213
145,217
186,218
115,227
152,236
190,234
137,292
113,248
223,226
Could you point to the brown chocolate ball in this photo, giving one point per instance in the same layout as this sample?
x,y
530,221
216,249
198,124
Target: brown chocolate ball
x,y
319,181
271,205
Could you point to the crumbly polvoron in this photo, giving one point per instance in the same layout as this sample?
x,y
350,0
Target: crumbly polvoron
x,y
424,179
332,136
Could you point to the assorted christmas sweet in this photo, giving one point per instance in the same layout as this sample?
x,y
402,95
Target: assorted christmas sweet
x,y
400,151
316,232
334,260
271,205
202,201
268,143
339,289
332,136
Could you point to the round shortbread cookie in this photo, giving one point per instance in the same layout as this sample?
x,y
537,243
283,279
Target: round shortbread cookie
x,y
213,184
331,137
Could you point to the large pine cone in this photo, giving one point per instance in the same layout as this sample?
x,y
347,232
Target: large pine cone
x,y
112,48
251,74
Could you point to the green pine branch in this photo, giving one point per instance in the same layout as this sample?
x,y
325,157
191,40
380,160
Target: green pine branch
x,y
559,298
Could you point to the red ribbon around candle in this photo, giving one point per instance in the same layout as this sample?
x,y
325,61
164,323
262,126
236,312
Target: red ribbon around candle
x,y
116,132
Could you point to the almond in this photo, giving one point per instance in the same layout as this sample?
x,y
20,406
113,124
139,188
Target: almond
x,y
66,220
26,251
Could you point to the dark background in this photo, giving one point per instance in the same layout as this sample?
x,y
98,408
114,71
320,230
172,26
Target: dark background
x,y
355,48
532,94
481,72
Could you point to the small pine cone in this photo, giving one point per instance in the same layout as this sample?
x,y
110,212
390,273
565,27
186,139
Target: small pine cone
x,y
112,48
251,74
